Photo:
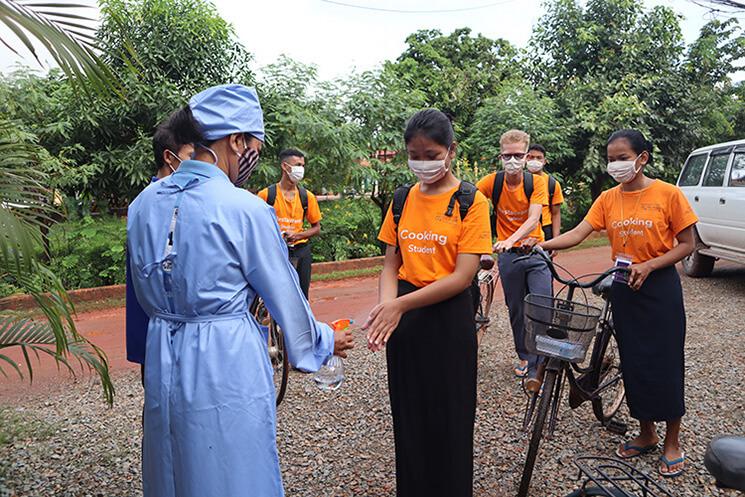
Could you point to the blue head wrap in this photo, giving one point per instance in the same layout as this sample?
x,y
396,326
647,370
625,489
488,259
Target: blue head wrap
x,y
223,110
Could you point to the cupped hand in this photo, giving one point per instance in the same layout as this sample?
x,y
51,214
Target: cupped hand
x,y
381,323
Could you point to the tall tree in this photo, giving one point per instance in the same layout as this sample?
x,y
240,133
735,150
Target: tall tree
x,y
455,72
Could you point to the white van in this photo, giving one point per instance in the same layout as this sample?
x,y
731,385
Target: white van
x,y
713,179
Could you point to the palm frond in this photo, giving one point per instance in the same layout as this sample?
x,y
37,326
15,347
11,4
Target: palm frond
x,y
24,209
69,37
40,339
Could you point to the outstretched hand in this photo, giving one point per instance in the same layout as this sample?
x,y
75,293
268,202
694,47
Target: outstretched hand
x,y
381,323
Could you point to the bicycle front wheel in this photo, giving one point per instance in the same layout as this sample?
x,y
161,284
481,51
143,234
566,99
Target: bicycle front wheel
x,y
607,379
279,360
549,383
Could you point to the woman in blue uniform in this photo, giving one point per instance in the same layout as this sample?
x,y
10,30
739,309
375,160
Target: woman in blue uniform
x,y
200,251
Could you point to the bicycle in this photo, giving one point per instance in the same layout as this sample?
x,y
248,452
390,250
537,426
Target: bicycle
x,y
610,477
562,331
275,342
487,279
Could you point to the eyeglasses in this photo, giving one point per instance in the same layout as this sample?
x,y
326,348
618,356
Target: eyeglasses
x,y
518,156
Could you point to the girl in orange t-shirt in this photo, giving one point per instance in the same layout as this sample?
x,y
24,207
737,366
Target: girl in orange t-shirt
x,y
650,226
425,318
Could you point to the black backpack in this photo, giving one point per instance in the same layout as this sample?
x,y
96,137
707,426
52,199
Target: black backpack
x,y
497,192
464,195
271,196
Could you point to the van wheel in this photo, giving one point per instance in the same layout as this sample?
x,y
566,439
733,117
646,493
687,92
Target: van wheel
x,y
698,265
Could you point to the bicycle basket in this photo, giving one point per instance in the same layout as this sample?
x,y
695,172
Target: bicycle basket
x,y
559,328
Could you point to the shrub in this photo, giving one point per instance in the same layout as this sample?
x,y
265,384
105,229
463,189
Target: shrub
x,y
89,252
349,230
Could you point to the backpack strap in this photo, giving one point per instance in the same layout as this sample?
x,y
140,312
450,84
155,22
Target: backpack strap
x,y
496,191
551,189
499,184
528,184
464,195
303,199
399,200
271,194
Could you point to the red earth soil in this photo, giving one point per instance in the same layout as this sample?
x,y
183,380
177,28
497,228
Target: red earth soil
x,y
351,298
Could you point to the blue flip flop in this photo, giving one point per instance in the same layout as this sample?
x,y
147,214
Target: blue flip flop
x,y
640,451
673,474
520,372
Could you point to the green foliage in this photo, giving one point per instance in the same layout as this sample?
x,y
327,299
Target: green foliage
x,y
380,103
455,72
89,253
349,230
301,112
518,105
26,211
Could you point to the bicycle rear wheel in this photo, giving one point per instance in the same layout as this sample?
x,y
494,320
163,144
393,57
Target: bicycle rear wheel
x,y
607,380
549,384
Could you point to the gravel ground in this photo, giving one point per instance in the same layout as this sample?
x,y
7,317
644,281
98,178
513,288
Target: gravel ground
x,y
341,444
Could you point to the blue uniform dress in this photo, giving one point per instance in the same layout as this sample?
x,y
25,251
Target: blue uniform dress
x,y
136,319
210,428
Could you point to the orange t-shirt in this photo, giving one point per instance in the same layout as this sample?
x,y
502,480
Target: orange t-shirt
x,y
430,241
513,207
642,224
290,212
557,199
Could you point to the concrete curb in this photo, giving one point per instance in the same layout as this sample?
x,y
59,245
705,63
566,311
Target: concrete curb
x,y
23,302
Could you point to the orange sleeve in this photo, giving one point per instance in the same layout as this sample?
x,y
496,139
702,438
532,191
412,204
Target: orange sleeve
x,y
387,232
558,195
314,212
475,235
486,185
680,212
596,215
263,194
540,190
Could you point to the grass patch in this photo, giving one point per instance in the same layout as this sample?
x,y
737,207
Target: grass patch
x,y
17,425
600,241
350,273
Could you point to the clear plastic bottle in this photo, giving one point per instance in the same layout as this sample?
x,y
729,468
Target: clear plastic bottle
x,y
331,375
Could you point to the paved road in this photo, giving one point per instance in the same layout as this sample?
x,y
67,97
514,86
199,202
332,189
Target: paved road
x,y
351,298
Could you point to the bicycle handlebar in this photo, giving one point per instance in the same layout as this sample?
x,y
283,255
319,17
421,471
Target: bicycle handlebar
x,y
536,250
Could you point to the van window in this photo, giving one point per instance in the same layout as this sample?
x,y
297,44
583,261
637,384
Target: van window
x,y
737,175
692,170
715,171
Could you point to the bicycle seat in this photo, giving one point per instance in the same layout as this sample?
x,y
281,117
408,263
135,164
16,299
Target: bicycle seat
x,y
487,262
602,289
725,460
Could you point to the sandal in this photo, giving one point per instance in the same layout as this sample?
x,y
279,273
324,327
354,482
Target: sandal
x,y
520,371
668,464
640,451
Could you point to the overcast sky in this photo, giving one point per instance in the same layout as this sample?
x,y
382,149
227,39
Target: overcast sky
x,y
338,39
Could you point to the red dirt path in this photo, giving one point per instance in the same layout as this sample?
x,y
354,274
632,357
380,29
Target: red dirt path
x,y
351,298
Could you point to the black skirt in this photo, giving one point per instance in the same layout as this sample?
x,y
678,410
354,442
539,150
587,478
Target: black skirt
x,y
432,384
650,328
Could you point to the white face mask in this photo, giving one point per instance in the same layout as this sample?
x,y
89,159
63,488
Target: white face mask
x,y
513,165
535,166
296,174
623,171
429,171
